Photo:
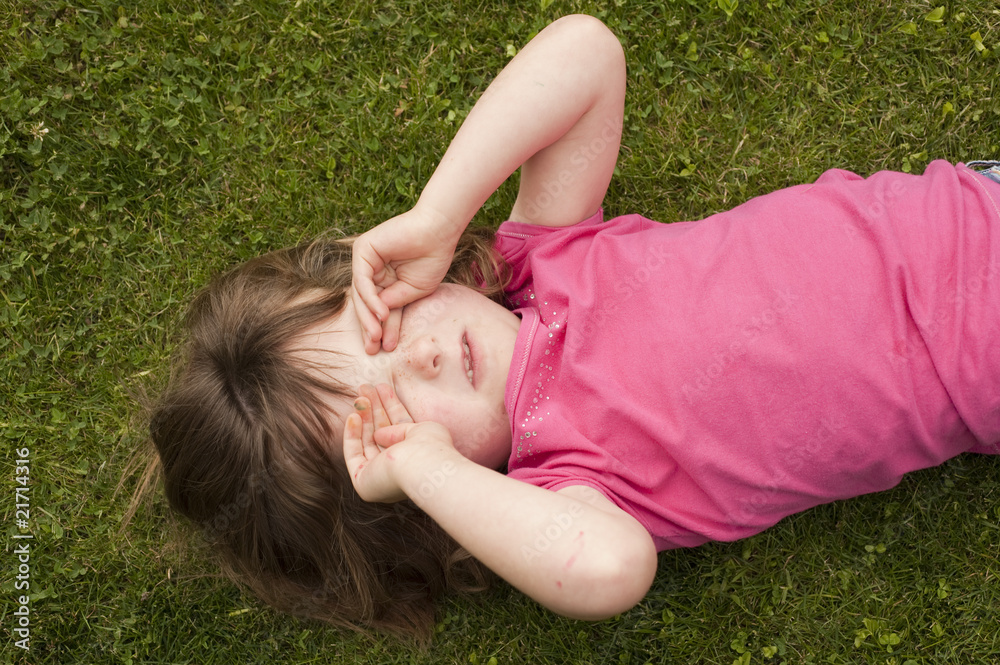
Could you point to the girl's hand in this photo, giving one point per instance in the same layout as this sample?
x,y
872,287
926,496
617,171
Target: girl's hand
x,y
377,436
399,261
556,112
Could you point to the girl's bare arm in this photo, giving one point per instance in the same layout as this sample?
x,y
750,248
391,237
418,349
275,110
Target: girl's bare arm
x,y
573,551
556,109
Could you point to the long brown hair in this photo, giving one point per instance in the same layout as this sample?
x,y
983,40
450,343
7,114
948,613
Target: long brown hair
x,y
243,434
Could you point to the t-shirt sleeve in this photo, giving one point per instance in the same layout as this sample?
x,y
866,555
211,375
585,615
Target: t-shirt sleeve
x,y
557,479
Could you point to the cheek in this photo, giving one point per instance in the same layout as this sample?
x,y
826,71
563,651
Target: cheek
x,y
449,413
476,428
486,442
423,404
374,370
415,396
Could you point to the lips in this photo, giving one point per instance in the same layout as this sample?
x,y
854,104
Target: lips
x,y
470,359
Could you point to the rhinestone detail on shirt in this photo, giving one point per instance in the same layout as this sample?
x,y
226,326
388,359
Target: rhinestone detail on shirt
x,y
540,376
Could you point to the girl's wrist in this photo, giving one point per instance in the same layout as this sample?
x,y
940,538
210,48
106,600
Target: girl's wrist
x,y
425,468
448,225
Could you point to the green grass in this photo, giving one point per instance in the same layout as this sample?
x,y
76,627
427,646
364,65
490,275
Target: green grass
x,y
145,146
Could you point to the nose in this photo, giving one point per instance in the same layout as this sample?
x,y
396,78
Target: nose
x,y
423,355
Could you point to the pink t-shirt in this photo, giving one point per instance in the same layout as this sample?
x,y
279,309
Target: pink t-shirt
x,y
713,377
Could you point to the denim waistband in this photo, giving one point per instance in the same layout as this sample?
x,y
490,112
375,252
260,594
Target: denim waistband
x,y
988,168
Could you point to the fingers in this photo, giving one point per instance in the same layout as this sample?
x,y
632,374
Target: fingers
x,y
387,409
397,413
394,408
383,418
371,328
365,460
390,331
380,417
354,456
401,293
367,267
393,434
363,407
428,431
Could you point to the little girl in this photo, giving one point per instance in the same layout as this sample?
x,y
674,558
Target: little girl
x,y
338,429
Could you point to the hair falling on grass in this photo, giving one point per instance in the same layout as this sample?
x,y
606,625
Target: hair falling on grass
x,y
362,425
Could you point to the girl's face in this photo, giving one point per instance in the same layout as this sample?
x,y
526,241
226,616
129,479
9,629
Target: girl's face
x,y
450,365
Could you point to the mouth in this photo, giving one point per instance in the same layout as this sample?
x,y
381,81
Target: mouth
x,y
470,364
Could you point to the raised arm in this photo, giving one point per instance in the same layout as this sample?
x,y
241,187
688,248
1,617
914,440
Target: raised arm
x,y
556,109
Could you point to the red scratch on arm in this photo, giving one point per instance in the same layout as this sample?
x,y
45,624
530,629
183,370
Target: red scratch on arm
x,y
579,548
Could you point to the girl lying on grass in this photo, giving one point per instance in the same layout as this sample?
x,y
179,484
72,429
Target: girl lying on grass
x,y
340,432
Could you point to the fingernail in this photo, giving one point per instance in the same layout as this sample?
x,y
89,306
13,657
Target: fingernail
x,y
359,405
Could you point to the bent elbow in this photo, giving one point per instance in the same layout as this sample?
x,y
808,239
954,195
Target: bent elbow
x,y
616,583
628,582
593,36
